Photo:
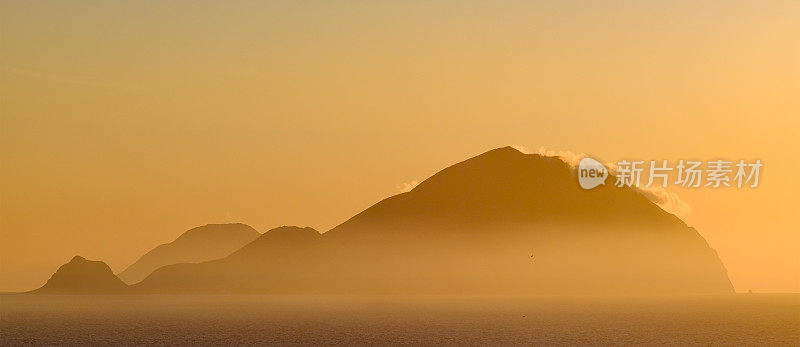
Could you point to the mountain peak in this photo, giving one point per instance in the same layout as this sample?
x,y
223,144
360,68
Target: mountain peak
x,y
82,276
506,149
216,231
506,153
77,259
504,163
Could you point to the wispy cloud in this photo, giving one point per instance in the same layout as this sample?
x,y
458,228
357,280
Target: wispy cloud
x,y
568,157
669,201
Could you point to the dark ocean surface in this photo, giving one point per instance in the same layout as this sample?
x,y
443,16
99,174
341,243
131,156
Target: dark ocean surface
x,y
741,319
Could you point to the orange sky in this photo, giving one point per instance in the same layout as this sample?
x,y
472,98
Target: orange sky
x,y
125,124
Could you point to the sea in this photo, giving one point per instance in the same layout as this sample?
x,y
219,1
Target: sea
x,y
736,319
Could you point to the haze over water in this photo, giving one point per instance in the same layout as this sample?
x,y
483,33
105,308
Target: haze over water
x,y
741,319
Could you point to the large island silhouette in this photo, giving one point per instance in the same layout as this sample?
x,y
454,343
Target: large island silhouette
x,y
503,222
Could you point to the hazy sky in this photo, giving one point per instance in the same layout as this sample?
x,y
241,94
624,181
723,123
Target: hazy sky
x,y
124,124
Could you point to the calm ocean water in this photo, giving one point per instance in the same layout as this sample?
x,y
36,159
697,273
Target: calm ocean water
x,y
750,319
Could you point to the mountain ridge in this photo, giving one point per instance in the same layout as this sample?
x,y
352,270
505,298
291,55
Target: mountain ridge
x,y
474,227
199,244
502,222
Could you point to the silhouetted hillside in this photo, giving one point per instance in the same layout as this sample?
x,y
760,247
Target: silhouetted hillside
x,y
282,260
503,222
208,242
81,276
